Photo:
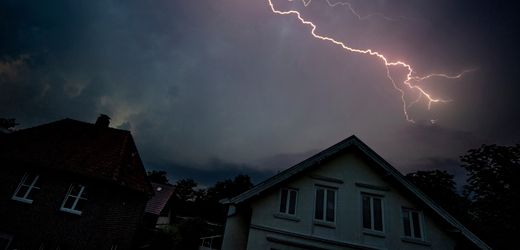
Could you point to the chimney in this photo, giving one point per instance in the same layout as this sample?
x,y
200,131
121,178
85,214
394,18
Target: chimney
x,y
103,121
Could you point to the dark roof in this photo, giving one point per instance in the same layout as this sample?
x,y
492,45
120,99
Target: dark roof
x,y
161,197
80,148
353,142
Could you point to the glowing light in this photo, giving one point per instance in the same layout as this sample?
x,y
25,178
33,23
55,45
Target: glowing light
x,y
412,79
348,5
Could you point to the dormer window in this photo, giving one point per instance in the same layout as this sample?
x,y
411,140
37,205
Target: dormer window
x,y
27,188
75,199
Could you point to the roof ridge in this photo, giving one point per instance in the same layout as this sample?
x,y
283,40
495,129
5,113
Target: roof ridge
x,y
338,147
69,120
82,148
426,199
295,168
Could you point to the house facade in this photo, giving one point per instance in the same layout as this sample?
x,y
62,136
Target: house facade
x,y
345,197
70,185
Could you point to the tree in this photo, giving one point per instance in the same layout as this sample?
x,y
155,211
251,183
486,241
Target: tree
x,y
193,207
186,198
215,211
158,176
230,188
8,123
189,233
241,183
183,234
185,190
434,183
493,188
440,186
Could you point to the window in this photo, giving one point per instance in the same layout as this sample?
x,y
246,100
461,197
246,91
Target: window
x,y
75,199
325,204
412,223
372,212
27,188
288,201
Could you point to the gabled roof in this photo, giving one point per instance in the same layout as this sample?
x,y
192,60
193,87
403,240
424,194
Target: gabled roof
x,y
162,195
354,142
79,148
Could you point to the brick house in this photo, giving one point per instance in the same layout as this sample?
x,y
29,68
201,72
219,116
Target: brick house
x,y
70,185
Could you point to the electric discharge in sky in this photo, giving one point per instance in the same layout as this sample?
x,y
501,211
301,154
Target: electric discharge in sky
x,y
412,80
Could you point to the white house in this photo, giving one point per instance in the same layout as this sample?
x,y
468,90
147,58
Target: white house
x,y
345,197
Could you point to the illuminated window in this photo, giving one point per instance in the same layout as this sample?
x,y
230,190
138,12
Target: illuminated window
x,y
372,212
75,199
412,223
325,204
27,188
288,201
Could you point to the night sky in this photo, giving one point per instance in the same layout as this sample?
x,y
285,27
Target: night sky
x,y
213,88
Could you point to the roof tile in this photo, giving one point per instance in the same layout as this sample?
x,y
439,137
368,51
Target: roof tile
x,y
81,148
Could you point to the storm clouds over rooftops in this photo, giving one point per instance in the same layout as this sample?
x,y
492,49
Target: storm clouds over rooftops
x,y
228,82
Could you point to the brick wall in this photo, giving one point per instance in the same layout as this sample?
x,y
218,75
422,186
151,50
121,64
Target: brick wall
x,y
111,214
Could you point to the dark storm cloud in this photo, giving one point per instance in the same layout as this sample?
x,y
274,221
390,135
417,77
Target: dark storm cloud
x,y
437,136
226,79
280,162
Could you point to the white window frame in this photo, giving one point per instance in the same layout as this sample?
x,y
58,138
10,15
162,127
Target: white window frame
x,y
76,198
30,188
412,228
372,221
324,205
287,201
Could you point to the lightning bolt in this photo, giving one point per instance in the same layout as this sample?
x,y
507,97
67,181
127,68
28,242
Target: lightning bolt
x,y
412,80
351,9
